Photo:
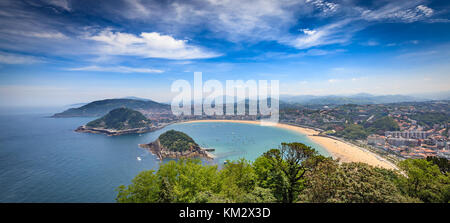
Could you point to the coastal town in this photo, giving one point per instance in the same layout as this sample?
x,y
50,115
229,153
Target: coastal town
x,y
398,130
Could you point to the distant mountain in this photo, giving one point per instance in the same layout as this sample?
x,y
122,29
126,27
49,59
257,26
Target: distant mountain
x,y
135,98
443,95
120,119
362,98
102,107
76,105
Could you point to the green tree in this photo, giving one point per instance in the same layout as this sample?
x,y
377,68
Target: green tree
x,y
383,124
351,183
442,163
237,179
353,131
286,169
179,181
143,189
424,181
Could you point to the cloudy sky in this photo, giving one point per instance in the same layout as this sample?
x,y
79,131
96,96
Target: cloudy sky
x,y
56,52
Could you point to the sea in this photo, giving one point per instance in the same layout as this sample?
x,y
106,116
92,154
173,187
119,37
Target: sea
x,y
42,159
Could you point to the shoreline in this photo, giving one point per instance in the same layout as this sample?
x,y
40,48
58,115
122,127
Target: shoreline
x,y
344,151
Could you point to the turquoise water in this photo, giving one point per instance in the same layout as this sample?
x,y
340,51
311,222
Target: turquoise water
x,y
43,160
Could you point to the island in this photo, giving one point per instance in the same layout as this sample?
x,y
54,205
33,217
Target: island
x,y
176,144
118,122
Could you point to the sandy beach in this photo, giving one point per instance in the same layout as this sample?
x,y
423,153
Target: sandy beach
x,y
343,151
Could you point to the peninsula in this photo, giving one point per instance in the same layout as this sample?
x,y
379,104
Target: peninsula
x,y
175,144
118,122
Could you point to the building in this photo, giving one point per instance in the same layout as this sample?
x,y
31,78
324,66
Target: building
x,y
408,134
376,140
403,142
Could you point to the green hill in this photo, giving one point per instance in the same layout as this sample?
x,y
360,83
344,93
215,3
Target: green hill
x,y
176,141
102,107
120,119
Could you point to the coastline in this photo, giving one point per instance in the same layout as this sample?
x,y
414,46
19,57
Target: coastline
x,y
113,132
344,151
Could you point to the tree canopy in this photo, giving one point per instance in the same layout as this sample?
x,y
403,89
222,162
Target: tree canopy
x,y
121,119
176,141
292,173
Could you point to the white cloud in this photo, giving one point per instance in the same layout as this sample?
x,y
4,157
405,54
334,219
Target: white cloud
x,y
37,34
324,6
404,12
148,45
117,69
64,4
138,8
251,20
308,31
8,58
328,34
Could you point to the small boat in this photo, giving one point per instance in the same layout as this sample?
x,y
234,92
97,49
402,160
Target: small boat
x,y
138,158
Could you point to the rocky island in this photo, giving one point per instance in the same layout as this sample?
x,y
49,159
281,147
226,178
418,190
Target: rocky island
x,y
118,122
175,144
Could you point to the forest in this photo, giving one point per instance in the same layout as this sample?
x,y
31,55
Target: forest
x,y
292,173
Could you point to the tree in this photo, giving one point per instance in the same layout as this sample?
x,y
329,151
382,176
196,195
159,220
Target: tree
x,y
144,189
179,181
286,169
382,125
353,131
424,181
350,183
237,179
442,163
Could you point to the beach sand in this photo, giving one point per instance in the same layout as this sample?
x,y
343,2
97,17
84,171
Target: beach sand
x,y
343,151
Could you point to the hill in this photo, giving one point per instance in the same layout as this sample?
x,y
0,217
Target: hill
x,y
361,98
120,119
175,144
176,141
102,107
118,122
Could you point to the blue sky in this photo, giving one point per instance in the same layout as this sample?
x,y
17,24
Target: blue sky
x,y
56,52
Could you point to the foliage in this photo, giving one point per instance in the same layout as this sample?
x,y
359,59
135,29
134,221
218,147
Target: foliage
x,y
238,179
424,181
179,181
102,107
353,131
176,141
383,124
121,119
430,118
282,170
442,163
292,173
350,183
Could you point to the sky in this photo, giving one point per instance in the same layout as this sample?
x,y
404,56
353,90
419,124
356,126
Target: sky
x,y
59,52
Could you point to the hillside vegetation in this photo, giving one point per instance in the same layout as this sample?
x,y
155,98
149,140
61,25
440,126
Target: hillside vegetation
x,y
292,173
102,107
176,141
120,119
379,126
